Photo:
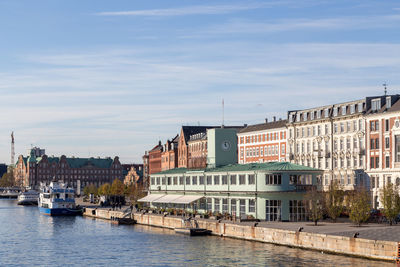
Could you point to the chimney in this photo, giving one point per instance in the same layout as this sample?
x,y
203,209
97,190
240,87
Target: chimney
x,y
280,119
245,125
159,143
274,118
266,120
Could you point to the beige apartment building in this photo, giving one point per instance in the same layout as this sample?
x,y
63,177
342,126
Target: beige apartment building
x,y
331,138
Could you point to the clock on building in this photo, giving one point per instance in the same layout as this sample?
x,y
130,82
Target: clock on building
x,y
226,145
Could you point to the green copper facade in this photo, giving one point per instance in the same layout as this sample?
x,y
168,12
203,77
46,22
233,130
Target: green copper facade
x,y
267,191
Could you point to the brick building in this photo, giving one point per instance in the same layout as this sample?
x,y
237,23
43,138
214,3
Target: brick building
x,y
197,151
383,144
169,156
155,158
77,172
262,142
184,137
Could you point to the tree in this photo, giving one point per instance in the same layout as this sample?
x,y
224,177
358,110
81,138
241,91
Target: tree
x,y
117,187
92,189
86,190
105,189
135,192
360,206
313,201
334,200
7,180
390,201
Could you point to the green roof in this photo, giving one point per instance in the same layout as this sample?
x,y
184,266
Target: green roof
x,y
268,166
74,162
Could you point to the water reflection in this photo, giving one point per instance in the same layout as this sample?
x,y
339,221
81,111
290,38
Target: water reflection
x,y
35,239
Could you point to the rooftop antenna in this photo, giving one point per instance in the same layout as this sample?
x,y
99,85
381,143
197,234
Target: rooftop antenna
x,y
222,113
385,88
12,148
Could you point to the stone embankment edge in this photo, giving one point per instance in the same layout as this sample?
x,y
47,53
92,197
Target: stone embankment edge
x,y
359,247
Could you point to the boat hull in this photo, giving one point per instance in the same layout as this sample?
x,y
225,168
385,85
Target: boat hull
x,y
60,211
27,202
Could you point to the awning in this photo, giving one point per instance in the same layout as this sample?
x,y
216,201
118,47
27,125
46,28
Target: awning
x,y
167,199
187,199
151,197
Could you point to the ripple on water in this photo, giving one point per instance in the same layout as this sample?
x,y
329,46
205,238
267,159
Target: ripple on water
x,y
29,239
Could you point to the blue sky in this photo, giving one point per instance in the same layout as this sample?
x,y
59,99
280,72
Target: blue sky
x,y
107,78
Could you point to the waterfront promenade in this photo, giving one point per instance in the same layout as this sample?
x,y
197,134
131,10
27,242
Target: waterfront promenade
x,y
376,241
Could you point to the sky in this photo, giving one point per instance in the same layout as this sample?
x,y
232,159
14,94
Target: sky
x,y
90,78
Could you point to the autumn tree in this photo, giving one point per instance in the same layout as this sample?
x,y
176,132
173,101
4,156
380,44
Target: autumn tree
x,y
390,202
135,192
117,187
7,180
105,189
313,202
334,200
360,206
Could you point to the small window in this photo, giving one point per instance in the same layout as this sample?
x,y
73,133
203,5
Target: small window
x,y
344,110
335,111
209,180
216,179
242,179
224,179
251,179
201,180
233,179
194,180
187,180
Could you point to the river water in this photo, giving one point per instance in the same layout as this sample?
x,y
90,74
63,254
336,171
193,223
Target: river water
x,y
28,238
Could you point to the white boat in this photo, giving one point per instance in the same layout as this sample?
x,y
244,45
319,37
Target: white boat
x,y
57,199
28,198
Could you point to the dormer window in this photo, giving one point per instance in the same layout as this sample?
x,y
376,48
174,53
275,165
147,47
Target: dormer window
x,y
353,108
376,104
335,111
344,110
360,107
388,102
305,116
319,114
326,112
312,115
298,117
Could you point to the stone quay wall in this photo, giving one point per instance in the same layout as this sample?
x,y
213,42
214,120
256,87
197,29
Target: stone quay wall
x,y
374,249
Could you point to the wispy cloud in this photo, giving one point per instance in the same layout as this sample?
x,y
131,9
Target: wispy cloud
x,y
190,10
283,25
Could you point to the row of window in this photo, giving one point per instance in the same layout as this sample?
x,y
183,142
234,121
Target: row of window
x,y
375,181
351,162
225,205
262,137
342,127
271,150
270,179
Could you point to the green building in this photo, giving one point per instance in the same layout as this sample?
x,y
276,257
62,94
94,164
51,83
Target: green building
x,y
267,191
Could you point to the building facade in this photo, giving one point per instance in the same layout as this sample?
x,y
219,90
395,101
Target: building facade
x,y
197,151
77,172
331,138
383,146
267,191
264,142
169,156
133,174
155,158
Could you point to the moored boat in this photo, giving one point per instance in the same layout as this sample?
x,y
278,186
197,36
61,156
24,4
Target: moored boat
x,y
28,198
58,199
